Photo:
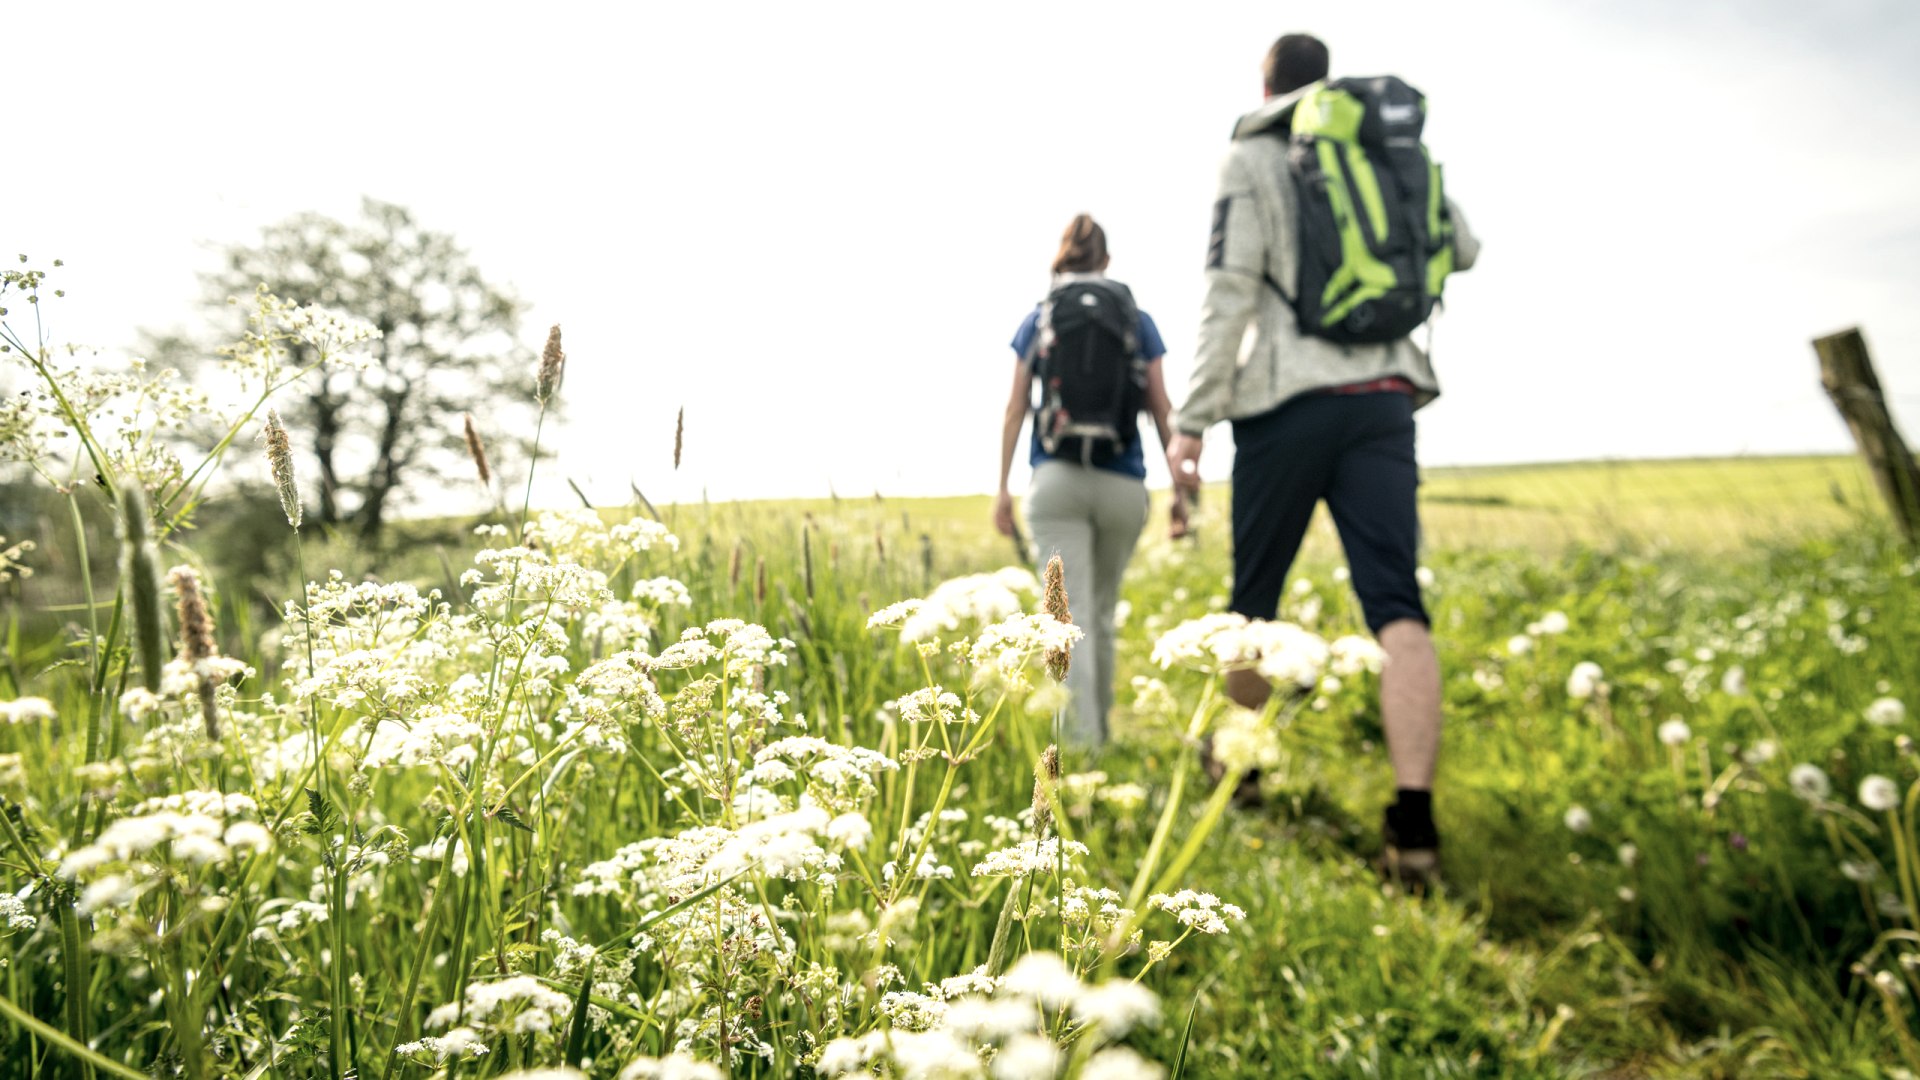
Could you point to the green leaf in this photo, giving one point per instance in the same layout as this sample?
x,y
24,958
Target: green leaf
x,y
1186,1040
511,817
577,1031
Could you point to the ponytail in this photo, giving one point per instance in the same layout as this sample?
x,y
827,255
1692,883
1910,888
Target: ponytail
x,y
1083,247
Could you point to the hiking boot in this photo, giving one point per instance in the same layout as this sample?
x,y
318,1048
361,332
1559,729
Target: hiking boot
x,y
1246,794
1410,856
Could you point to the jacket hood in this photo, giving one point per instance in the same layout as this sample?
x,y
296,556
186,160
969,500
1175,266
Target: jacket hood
x,y
1276,116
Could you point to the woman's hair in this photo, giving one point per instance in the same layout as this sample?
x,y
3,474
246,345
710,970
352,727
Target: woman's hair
x,y
1083,247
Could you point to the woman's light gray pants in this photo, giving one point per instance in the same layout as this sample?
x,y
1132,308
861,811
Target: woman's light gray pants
x,y
1091,518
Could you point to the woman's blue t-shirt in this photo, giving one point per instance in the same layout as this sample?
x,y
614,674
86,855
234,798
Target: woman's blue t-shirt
x,y
1132,461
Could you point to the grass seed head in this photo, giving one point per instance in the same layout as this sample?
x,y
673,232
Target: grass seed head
x,y
478,451
280,459
679,436
1058,660
553,361
1046,776
140,576
196,641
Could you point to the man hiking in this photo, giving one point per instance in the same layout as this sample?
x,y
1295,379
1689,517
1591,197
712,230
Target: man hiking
x,y
1331,240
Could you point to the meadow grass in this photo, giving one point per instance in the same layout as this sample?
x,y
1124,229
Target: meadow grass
x,y
690,792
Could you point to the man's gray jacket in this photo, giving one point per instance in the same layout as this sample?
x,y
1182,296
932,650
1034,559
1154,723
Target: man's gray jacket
x,y
1252,356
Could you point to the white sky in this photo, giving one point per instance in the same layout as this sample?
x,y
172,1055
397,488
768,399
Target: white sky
x,y
816,225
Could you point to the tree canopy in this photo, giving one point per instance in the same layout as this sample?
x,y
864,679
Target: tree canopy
x,y
448,346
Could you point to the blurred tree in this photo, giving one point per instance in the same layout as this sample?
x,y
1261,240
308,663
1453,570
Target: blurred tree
x,y
449,346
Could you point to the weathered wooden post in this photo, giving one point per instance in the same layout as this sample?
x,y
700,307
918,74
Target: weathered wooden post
x,y
1847,373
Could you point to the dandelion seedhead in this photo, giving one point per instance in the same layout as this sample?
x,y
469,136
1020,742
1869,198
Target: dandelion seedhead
x,y
1046,777
140,577
679,436
478,451
553,361
1055,602
196,641
280,458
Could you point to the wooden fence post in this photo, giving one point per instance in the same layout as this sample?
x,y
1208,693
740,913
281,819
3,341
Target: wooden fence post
x,y
1847,373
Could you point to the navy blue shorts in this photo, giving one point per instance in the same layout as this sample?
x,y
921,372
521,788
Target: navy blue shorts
x,y
1356,452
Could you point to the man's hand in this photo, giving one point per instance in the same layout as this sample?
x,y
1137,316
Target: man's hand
x,y
1178,510
1003,512
1183,460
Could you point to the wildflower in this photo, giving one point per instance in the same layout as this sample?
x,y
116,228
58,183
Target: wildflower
x,y
1577,819
1424,575
518,1005
851,830
1809,782
908,1011
1734,682
1584,681
1007,645
280,460
1281,651
1879,793
196,642
1519,645
553,361
1027,1056
13,908
1886,712
1120,1063
1058,658
457,1043
10,565
1043,977
1352,654
1863,872
675,1066
26,710
1199,911
1629,856
933,704
1029,857
1675,732
1117,1006
981,598
477,450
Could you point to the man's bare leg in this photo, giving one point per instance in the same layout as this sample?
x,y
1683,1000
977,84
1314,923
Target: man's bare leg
x,y
1410,702
1410,713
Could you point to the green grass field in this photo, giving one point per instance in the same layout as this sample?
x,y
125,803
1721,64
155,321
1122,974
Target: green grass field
x,y
1620,902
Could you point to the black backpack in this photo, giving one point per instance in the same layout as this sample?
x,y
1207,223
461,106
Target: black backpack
x,y
1092,378
1376,240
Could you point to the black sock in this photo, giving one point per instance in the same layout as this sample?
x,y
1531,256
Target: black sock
x,y
1410,819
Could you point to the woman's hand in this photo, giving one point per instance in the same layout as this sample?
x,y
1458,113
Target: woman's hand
x,y
1003,512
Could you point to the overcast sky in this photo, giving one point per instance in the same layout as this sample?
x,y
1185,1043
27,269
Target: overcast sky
x,y
816,226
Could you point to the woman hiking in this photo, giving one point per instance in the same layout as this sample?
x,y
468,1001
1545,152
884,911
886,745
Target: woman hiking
x,y
1096,358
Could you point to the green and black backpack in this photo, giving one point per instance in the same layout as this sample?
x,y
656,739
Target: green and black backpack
x,y
1376,240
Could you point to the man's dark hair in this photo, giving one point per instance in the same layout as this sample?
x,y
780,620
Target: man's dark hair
x,y
1293,62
